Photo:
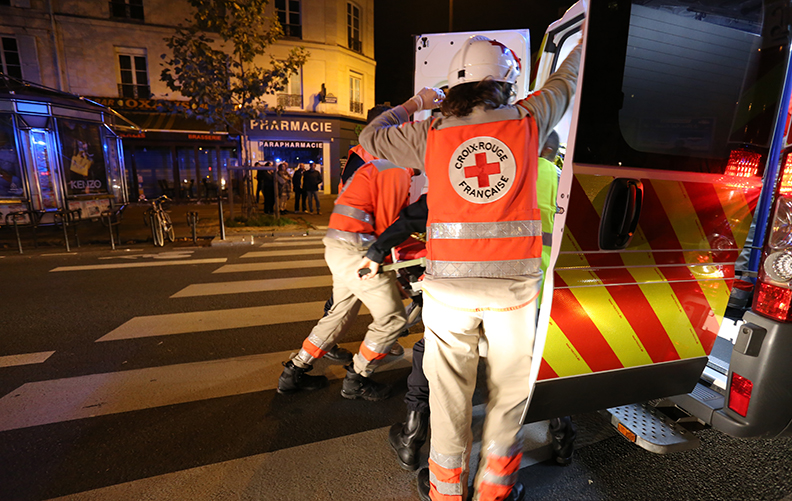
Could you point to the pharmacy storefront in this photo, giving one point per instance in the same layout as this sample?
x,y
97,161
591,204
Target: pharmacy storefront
x,y
304,139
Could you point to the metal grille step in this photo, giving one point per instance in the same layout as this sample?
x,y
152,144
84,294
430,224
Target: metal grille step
x,y
650,429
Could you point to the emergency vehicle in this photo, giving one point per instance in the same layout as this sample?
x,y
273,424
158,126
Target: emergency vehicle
x,y
678,140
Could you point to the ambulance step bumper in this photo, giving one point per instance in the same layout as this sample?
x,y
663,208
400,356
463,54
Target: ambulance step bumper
x,y
650,429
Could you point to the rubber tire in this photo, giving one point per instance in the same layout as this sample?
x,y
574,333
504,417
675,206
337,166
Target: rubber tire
x,y
167,227
157,231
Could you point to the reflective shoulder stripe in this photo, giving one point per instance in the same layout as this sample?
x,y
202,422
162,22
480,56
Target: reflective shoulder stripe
x,y
491,269
359,239
348,211
504,229
383,165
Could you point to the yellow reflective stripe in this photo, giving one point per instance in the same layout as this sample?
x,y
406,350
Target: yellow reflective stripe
x,y
561,355
714,287
603,311
669,311
735,206
681,214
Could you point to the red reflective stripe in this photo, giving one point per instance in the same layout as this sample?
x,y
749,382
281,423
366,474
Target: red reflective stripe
x,y
369,354
688,294
445,475
493,492
546,372
574,322
711,215
503,466
312,349
436,496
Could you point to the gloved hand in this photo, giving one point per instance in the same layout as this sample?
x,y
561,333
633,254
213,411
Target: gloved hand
x,y
428,98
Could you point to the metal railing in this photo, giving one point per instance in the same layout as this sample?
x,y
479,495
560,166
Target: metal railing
x,y
355,45
290,100
356,107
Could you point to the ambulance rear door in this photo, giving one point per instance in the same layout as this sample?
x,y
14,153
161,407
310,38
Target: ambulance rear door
x,y
666,149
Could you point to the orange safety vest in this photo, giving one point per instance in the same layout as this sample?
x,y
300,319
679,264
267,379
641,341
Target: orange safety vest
x,y
370,202
484,220
359,151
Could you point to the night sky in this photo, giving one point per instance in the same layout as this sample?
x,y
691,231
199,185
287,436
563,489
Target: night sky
x,y
396,21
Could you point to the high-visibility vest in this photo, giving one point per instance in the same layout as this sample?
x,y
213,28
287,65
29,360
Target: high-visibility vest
x,y
484,220
363,154
370,202
546,193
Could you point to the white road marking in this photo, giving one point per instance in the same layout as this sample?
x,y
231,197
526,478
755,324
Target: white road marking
x,y
280,265
242,286
60,254
59,400
162,255
202,321
144,264
294,252
25,359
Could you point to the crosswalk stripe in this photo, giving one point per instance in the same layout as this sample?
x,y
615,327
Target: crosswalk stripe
x,y
292,244
278,253
203,321
298,239
242,286
58,400
25,359
280,265
139,264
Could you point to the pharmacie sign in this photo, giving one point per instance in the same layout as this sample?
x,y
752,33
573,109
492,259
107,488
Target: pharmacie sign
x,y
294,127
291,144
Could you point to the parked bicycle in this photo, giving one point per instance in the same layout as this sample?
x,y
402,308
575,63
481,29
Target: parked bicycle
x,y
159,221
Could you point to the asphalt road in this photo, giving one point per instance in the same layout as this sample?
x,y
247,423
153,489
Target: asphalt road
x,y
150,374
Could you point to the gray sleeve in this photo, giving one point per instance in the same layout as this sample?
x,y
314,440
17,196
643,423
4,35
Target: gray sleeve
x,y
548,104
392,137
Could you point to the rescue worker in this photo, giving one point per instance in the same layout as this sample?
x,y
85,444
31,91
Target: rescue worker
x,y
372,197
484,252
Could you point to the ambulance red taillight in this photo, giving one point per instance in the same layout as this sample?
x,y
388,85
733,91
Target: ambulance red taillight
x,y
773,297
743,163
740,394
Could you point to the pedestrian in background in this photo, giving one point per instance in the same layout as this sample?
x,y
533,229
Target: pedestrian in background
x,y
284,186
312,179
484,244
299,191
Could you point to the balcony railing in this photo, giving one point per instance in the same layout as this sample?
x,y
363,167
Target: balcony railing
x,y
355,45
123,10
356,107
134,91
292,30
290,100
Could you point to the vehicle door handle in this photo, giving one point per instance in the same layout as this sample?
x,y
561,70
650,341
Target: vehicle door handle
x,y
620,213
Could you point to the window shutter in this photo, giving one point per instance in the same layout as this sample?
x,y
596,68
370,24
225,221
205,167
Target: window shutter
x,y
29,57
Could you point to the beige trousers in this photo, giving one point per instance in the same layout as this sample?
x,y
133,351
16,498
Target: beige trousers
x,y
453,331
380,295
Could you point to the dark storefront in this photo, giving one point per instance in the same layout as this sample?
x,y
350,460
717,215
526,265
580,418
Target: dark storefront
x,y
172,155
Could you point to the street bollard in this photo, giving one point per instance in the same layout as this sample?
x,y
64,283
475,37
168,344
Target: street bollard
x,y
192,220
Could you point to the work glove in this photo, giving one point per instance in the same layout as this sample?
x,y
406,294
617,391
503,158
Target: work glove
x,y
428,98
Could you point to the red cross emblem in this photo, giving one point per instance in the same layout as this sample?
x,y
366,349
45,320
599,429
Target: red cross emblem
x,y
482,170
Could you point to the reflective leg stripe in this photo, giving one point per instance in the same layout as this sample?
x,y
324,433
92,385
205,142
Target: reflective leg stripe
x,y
371,355
312,349
499,477
445,484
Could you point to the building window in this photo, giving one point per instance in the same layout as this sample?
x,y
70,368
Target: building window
x,y
126,9
9,57
353,28
133,74
355,93
292,94
289,17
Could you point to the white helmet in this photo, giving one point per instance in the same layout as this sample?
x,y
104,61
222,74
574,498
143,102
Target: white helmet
x,y
481,58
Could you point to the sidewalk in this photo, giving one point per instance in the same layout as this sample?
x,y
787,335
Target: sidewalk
x,y
133,229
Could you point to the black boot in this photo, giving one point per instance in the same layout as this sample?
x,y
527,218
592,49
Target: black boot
x,y
407,438
357,386
294,379
339,355
563,435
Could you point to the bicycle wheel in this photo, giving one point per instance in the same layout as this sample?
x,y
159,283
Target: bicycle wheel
x,y
167,226
156,230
